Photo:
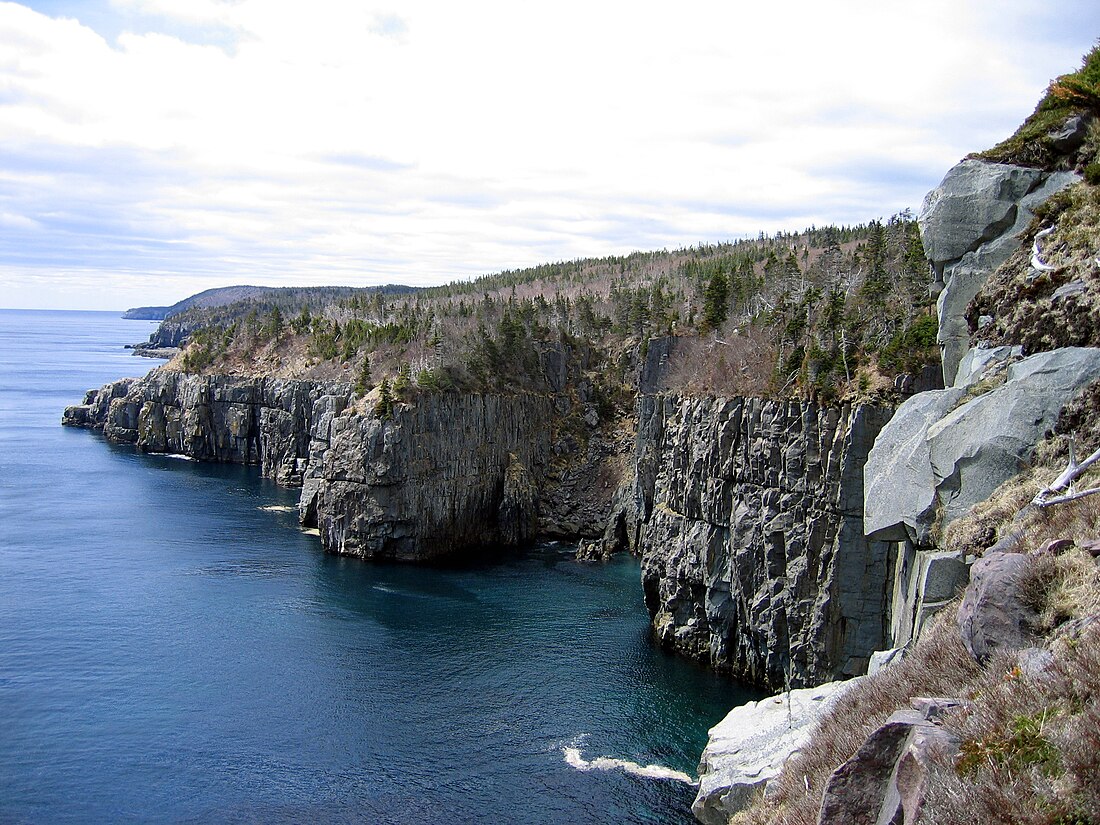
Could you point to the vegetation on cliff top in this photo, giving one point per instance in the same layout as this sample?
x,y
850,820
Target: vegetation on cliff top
x,y
1036,142
830,313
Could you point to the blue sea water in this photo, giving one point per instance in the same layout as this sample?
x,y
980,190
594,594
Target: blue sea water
x,y
174,649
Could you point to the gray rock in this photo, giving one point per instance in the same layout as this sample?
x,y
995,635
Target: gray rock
x,y
970,225
899,484
975,202
934,460
447,473
1070,290
750,746
993,616
979,362
974,448
751,536
1071,134
882,659
884,782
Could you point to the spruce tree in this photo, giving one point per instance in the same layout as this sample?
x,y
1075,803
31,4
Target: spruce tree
x,y
363,382
716,300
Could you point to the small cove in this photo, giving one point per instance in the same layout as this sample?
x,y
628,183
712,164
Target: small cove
x,y
173,648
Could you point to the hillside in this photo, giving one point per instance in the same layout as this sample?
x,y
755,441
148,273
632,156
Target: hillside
x,y
219,296
827,313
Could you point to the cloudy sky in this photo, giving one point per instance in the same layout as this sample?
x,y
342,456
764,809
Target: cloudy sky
x,y
153,148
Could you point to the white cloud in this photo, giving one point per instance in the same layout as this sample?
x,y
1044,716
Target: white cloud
x,y
200,143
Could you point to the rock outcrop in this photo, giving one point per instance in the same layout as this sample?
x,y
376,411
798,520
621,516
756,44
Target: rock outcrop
x,y
750,746
947,450
994,614
750,527
970,224
447,473
444,474
885,780
264,421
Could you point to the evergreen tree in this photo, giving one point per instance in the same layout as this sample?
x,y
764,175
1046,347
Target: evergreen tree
x,y
716,300
363,382
384,408
404,379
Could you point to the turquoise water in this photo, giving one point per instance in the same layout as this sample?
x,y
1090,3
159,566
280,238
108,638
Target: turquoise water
x,y
174,649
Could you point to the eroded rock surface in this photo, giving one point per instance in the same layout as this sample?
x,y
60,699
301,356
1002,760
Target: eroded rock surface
x,y
970,224
750,746
444,474
750,528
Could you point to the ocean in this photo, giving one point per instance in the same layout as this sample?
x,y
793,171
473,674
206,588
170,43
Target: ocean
x,y
173,648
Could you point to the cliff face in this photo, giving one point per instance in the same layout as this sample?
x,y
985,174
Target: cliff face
x,y
450,472
748,514
446,473
750,527
263,421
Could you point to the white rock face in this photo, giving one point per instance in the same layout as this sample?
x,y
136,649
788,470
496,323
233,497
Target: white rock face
x,y
749,747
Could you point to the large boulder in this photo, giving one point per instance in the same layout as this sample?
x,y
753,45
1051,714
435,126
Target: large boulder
x,y
885,781
748,748
994,615
970,225
986,441
945,451
899,498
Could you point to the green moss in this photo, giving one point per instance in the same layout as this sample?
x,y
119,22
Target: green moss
x,y
1066,96
1023,748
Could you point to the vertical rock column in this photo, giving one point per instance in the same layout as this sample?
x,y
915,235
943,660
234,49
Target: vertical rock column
x,y
750,517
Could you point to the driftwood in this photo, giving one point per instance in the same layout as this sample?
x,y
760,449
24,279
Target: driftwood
x,y
1062,489
1036,259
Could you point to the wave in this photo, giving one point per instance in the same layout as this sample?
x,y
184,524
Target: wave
x,y
278,508
606,763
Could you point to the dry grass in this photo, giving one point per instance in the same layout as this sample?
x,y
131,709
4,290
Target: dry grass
x,y
993,519
1006,511
1031,739
740,363
1031,744
939,666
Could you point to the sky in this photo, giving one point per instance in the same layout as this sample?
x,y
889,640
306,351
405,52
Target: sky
x,y
150,149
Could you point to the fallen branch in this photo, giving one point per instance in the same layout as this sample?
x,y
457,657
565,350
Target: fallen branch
x,y
1062,490
1036,260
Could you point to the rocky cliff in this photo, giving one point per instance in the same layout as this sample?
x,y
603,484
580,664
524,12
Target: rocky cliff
x,y
970,225
444,474
264,421
450,472
750,528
